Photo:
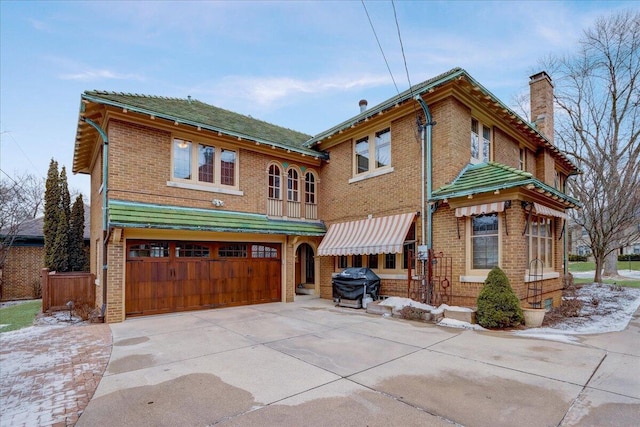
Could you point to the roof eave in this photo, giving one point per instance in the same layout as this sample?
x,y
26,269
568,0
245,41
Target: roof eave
x,y
505,186
303,150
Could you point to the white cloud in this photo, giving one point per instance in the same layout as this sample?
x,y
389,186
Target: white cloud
x,y
266,91
93,74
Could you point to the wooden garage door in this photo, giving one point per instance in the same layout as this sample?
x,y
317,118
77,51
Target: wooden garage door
x,y
163,277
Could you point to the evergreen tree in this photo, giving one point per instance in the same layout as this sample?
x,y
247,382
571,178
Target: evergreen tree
x,y
77,253
60,256
51,213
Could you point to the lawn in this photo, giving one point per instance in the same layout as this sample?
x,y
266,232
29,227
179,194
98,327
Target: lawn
x,y
19,316
578,267
591,266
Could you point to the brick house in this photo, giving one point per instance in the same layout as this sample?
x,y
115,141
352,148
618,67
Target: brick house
x,y
25,260
200,207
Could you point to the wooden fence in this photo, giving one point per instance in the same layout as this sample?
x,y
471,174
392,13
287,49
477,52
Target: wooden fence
x,y
60,288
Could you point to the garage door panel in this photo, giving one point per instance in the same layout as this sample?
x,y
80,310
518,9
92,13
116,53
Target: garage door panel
x,y
171,283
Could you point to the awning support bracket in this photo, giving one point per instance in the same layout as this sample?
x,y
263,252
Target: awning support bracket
x,y
507,205
528,206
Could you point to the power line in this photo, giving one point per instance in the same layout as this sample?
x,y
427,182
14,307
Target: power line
x,y
404,58
20,148
380,46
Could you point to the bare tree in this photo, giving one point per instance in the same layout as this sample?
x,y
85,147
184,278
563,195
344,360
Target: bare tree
x,y
598,122
21,199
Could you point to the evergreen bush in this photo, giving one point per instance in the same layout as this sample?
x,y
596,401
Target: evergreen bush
x,y
498,305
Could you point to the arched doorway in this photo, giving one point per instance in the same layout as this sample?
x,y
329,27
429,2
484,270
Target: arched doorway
x,y
305,270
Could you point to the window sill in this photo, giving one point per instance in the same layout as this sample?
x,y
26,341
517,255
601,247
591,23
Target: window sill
x,y
201,187
545,276
473,279
372,174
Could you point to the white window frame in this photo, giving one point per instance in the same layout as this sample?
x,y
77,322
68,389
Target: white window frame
x,y
372,140
477,273
478,136
534,233
193,181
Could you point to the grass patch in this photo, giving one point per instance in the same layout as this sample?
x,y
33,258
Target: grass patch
x,y
590,266
19,316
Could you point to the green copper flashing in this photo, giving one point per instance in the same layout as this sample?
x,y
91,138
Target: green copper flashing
x,y
141,215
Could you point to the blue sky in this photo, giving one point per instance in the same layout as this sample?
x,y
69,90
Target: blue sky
x,y
301,65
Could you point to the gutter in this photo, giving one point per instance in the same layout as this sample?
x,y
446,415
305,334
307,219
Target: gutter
x,y
426,169
105,206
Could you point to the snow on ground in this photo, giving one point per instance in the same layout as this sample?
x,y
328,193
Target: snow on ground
x,y
606,308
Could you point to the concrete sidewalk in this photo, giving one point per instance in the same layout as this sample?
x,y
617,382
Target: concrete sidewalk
x,y
310,363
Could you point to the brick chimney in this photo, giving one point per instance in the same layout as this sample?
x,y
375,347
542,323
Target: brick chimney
x,y
541,94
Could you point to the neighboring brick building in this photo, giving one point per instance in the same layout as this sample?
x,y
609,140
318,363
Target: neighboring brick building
x,y
198,214
25,260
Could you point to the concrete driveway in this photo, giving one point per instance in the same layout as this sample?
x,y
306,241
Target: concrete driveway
x,y
310,363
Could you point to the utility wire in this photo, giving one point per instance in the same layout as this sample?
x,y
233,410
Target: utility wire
x,y
406,68
380,46
404,58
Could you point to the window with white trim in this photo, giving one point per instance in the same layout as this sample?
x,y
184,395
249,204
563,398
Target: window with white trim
x,y
485,242
310,188
293,193
480,142
275,187
540,241
379,152
204,164
522,163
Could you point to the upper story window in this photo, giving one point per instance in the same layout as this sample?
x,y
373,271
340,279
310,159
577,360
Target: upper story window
x,y
275,186
480,142
292,186
204,164
370,157
522,162
310,188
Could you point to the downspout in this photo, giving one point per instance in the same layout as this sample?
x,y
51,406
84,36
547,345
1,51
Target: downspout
x,y
105,233
426,164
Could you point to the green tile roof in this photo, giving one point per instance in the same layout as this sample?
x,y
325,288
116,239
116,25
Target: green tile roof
x,y
142,215
196,113
489,177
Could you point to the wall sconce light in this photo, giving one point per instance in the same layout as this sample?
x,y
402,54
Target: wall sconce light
x,y
218,203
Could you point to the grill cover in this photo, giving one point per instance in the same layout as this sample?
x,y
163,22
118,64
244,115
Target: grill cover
x,y
350,283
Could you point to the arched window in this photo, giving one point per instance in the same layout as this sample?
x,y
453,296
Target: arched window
x,y
310,188
275,186
292,186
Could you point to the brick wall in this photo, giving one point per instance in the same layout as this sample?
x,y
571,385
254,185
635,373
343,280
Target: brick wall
x,y
506,149
140,166
115,282
21,273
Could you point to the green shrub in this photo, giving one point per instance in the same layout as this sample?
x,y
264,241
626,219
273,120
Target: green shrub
x,y
629,257
577,258
498,305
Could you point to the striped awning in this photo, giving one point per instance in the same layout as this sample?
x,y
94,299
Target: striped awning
x,y
486,208
367,236
543,210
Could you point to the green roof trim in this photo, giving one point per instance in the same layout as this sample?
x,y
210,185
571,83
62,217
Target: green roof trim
x,y
492,176
424,87
143,215
199,114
